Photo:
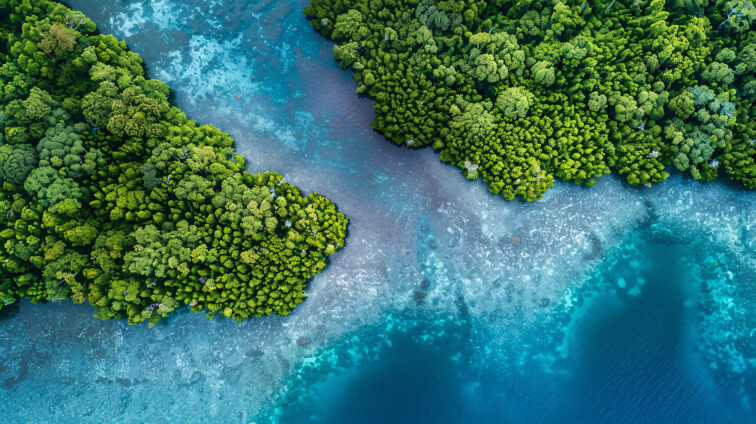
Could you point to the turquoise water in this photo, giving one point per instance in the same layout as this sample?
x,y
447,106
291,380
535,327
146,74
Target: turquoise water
x,y
618,304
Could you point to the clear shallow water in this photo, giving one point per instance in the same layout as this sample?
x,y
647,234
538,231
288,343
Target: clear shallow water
x,y
618,304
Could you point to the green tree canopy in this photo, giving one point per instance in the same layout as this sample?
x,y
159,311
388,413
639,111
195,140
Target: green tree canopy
x,y
108,194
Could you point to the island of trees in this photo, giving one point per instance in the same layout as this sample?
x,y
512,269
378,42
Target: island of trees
x,y
108,194
520,92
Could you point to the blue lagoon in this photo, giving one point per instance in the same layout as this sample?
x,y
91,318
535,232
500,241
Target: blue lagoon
x,y
447,305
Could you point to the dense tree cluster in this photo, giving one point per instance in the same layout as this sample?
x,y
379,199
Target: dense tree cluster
x,y
111,195
521,92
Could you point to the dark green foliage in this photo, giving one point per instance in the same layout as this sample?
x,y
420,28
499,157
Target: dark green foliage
x,y
150,213
520,92
17,162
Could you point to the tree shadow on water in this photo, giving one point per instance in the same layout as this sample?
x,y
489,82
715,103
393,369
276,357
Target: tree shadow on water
x,y
9,311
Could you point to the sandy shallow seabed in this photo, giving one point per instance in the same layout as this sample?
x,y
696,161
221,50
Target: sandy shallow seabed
x,y
607,304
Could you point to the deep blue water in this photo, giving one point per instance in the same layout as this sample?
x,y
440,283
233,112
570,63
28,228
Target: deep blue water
x,y
619,304
635,358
